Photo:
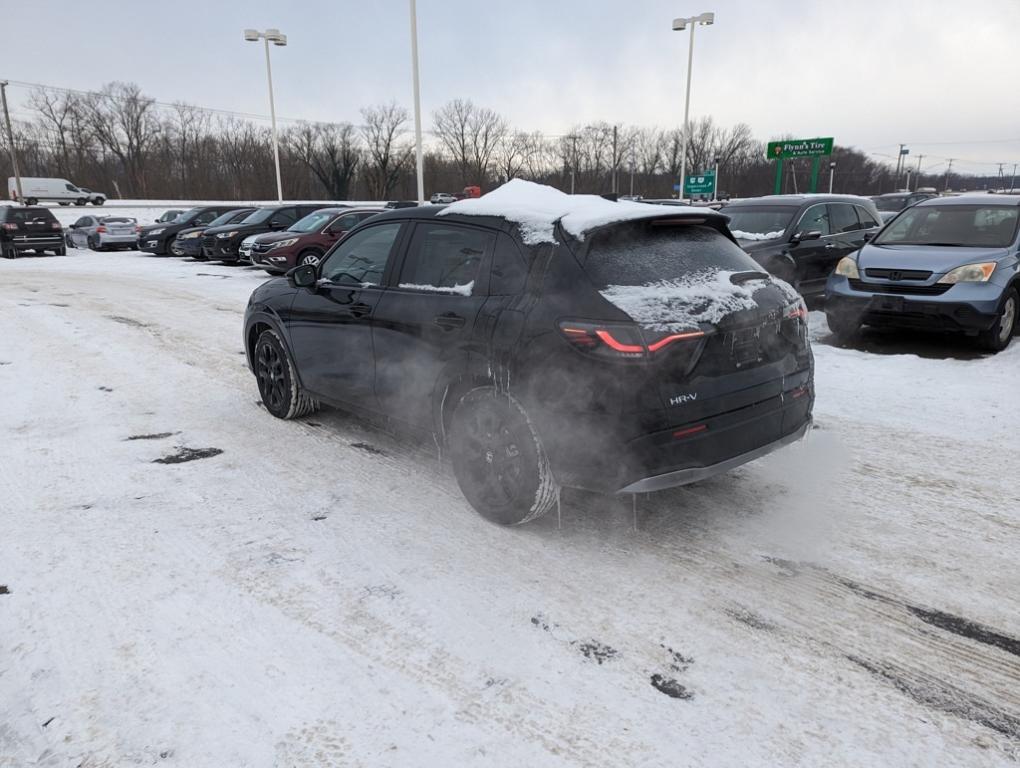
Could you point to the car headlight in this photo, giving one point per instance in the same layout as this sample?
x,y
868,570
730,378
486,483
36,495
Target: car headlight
x,y
190,235
226,235
283,243
157,231
969,273
847,267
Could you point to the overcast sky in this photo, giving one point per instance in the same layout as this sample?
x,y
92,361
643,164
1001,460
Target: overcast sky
x,y
938,75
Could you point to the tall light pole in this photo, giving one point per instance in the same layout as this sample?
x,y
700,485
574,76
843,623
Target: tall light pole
x,y
276,37
832,174
679,25
10,139
419,161
917,181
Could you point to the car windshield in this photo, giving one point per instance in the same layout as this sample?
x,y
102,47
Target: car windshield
x,y
641,254
312,222
223,218
974,226
259,216
759,222
890,204
187,216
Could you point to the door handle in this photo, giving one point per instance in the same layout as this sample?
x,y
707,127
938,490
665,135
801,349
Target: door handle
x,y
829,246
360,309
448,321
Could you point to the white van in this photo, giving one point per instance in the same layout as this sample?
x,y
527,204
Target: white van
x,y
61,191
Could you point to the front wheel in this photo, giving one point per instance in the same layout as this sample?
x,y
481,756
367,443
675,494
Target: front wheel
x,y
281,392
98,201
498,459
1001,333
310,257
843,328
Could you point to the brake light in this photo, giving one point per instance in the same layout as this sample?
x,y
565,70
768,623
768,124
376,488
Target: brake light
x,y
138,229
620,341
10,227
55,225
681,433
797,312
100,229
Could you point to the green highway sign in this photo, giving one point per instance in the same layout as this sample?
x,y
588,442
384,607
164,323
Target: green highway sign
x,y
780,150
703,184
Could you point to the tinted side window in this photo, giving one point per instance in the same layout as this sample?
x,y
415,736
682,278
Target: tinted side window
x,y
843,217
445,256
509,269
285,217
361,258
867,220
205,217
815,219
345,222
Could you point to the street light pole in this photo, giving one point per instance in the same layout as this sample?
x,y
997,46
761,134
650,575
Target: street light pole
x,y
678,26
10,139
419,161
917,181
832,174
275,37
715,182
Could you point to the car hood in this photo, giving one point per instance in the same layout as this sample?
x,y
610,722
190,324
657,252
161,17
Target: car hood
x,y
167,228
937,258
275,237
188,230
242,229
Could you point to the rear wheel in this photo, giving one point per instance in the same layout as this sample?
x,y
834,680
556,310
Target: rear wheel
x,y
98,201
1001,333
62,251
10,252
80,201
279,388
309,257
93,244
498,459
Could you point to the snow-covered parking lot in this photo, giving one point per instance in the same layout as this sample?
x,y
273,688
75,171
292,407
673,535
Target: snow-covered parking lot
x,y
187,581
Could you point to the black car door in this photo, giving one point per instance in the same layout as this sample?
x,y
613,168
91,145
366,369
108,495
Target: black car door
x,y
331,324
427,320
847,233
812,255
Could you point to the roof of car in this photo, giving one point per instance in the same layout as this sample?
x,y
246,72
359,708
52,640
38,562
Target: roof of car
x,y
975,199
798,200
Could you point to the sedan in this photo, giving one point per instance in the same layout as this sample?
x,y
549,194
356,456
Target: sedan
x,y
946,264
101,232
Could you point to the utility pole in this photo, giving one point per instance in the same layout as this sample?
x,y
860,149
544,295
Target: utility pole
x,y
632,174
10,139
715,182
1012,181
1000,174
948,169
917,182
419,162
899,167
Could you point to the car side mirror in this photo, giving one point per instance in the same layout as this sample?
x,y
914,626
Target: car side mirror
x,y
800,237
303,276
868,236
337,232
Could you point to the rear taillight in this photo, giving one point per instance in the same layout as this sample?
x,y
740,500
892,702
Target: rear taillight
x,y
622,342
138,229
101,229
10,227
55,225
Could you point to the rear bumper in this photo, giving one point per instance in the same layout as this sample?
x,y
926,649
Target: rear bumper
x,y
108,239
694,474
38,242
966,308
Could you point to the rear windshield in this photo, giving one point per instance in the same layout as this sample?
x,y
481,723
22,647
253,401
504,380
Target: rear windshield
x,y
889,204
20,215
976,226
640,253
117,220
759,222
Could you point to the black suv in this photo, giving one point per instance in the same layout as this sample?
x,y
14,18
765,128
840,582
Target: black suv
x,y
633,357
223,243
159,239
31,228
891,203
801,238
189,241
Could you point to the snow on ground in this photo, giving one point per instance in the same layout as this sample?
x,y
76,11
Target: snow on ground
x,y
319,593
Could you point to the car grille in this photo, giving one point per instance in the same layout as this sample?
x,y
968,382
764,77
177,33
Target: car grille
x,y
260,247
209,241
900,289
898,274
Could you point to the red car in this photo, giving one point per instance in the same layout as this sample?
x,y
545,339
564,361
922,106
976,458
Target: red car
x,y
307,240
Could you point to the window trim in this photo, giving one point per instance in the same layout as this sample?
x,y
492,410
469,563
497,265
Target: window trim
x,y
853,208
395,256
797,228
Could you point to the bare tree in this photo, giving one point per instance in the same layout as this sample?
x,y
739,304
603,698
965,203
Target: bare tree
x,y
472,135
387,155
125,123
330,151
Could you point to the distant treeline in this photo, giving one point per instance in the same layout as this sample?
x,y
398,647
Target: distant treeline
x,y
124,143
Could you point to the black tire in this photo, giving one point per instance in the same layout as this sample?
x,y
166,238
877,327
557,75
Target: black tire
x,y
31,201
10,252
168,246
998,337
68,241
98,201
279,388
80,201
309,257
498,459
62,251
65,203
93,245
844,329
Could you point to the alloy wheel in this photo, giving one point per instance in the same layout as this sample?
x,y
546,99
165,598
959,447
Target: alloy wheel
x,y
492,456
269,369
1008,319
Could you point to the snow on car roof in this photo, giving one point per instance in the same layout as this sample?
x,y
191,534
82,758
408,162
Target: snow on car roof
x,y
536,208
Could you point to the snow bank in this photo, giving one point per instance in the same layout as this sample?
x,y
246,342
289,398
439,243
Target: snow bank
x,y
462,290
536,208
677,305
756,235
